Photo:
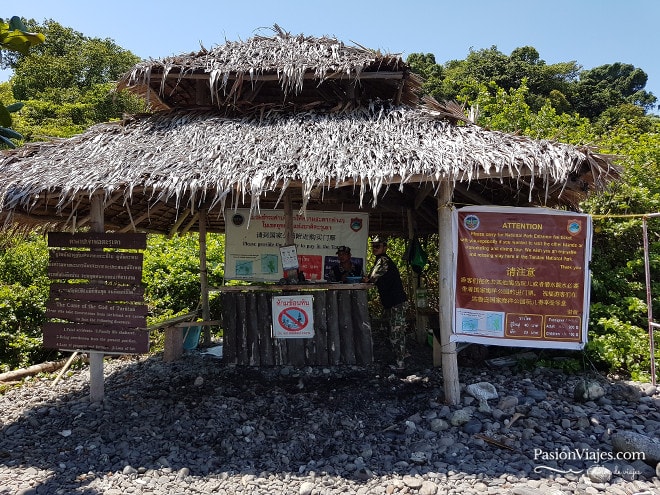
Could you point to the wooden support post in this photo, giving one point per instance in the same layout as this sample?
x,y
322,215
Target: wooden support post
x,y
203,275
288,220
96,380
173,349
447,349
421,320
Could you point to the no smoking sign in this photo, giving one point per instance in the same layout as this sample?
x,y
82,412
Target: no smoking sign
x,y
293,317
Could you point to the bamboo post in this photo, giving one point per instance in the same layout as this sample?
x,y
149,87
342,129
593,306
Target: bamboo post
x,y
64,368
448,355
203,275
420,318
288,220
649,295
96,385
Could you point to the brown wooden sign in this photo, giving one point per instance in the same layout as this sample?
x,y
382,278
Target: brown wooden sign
x,y
77,336
99,313
99,305
96,292
97,240
86,257
112,267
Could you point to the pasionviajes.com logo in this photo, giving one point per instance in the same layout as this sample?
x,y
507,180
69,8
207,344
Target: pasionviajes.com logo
x,y
587,455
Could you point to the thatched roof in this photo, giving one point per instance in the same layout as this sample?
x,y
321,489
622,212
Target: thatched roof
x,y
337,127
154,167
283,71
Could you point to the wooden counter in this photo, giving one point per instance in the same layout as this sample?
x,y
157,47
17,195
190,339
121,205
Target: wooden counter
x,y
342,326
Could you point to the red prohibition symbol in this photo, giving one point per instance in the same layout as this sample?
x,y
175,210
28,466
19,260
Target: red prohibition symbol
x,y
293,319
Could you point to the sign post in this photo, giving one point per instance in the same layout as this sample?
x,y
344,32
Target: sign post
x,y
98,299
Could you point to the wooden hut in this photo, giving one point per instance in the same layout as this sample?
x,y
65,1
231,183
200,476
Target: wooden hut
x,y
325,125
334,125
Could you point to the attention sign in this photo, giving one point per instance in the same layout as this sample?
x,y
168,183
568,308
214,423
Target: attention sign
x,y
521,277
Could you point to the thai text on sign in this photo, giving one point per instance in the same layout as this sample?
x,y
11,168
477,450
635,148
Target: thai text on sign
x,y
253,243
293,317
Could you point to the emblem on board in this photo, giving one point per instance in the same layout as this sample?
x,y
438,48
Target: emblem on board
x,y
574,227
471,222
237,219
356,224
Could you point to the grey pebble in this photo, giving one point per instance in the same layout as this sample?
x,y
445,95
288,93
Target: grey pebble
x,y
199,426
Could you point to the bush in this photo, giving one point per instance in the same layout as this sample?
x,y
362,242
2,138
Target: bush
x,y
171,273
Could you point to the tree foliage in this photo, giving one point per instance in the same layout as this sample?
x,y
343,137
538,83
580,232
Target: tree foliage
x,y
567,87
66,83
14,37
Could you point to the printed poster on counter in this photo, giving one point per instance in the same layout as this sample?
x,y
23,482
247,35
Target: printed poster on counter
x,y
521,277
252,244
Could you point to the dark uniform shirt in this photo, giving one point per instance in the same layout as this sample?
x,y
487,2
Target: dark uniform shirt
x,y
338,274
385,274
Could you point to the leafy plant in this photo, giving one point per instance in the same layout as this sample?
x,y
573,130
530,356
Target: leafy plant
x,y
14,36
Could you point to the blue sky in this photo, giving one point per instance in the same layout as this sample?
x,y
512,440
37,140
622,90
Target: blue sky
x,y
590,32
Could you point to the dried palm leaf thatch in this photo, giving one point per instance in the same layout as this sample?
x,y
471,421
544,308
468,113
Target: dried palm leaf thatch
x,y
201,156
233,74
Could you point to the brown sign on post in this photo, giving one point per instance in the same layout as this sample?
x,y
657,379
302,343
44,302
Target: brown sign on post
x,y
97,240
522,277
96,292
77,336
103,313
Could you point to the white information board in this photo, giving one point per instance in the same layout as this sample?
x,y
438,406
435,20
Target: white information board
x,y
252,245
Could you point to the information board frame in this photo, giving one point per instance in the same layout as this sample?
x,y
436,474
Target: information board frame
x,y
521,277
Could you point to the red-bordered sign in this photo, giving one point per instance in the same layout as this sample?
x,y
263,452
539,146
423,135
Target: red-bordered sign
x,y
293,317
521,277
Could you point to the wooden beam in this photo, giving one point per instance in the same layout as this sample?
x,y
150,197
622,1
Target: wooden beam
x,y
96,380
179,221
276,77
447,349
141,218
203,274
190,223
422,194
478,199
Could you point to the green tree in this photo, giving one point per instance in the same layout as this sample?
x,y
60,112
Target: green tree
x,y
171,272
611,85
23,293
462,80
67,83
618,319
15,37
567,87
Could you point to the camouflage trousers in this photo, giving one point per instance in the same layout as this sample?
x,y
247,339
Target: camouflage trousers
x,y
396,320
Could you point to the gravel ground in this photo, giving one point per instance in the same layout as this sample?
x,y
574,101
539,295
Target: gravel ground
x,y
200,426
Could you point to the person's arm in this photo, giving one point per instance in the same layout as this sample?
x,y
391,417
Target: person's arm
x,y
379,269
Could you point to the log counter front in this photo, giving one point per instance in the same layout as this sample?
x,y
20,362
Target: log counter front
x,y
342,326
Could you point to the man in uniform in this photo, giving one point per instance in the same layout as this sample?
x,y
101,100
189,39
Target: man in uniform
x,y
385,274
